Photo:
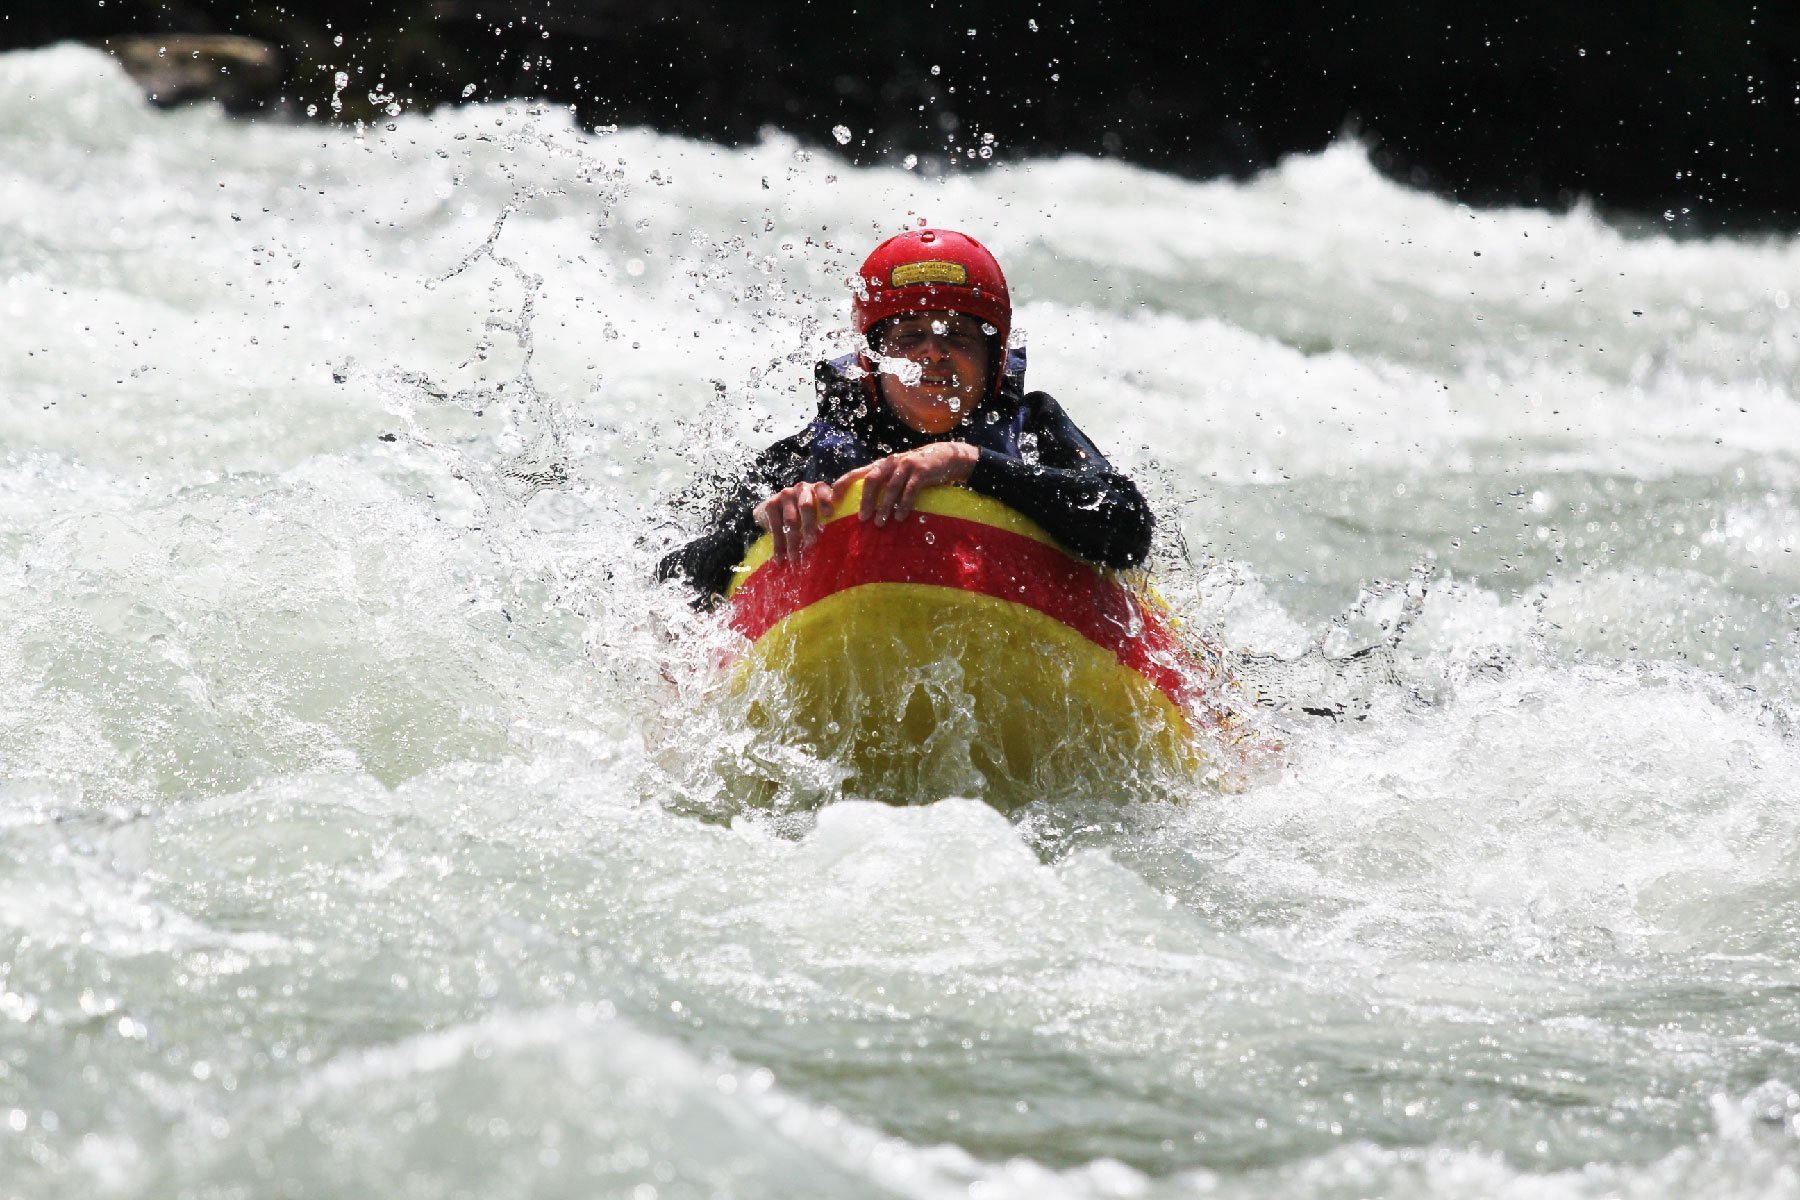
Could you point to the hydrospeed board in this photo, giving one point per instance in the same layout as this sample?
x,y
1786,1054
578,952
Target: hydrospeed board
x,y
963,649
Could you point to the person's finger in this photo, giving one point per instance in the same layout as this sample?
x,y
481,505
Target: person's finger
x,y
884,503
768,515
917,482
904,471
872,483
880,502
787,529
797,522
809,515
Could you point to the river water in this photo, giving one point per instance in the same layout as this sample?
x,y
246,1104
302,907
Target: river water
x,y
360,827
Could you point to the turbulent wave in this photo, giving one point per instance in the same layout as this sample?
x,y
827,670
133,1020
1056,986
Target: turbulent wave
x,y
349,758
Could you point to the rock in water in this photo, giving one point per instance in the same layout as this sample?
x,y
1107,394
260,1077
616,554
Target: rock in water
x,y
238,72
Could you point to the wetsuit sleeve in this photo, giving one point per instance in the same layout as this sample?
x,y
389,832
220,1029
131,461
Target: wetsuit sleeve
x,y
1072,491
706,562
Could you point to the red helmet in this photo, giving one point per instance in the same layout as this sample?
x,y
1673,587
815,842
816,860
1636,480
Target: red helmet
x,y
932,270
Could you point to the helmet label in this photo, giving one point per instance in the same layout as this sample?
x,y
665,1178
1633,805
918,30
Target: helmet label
x,y
930,271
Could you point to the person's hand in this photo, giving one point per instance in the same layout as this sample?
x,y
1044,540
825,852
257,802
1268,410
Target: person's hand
x,y
891,485
793,516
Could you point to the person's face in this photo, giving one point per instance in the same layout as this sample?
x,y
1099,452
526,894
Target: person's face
x,y
951,351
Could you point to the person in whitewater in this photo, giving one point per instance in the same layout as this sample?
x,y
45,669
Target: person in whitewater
x,y
934,397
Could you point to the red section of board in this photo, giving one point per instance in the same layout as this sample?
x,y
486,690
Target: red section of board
x,y
970,556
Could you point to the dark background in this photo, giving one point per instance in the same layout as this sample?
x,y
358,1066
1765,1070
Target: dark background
x,y
1690,107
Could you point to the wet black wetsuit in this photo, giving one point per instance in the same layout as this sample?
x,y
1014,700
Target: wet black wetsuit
x,y
1033,460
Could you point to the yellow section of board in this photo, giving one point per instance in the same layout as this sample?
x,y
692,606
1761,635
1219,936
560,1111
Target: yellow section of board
x,y
917,692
